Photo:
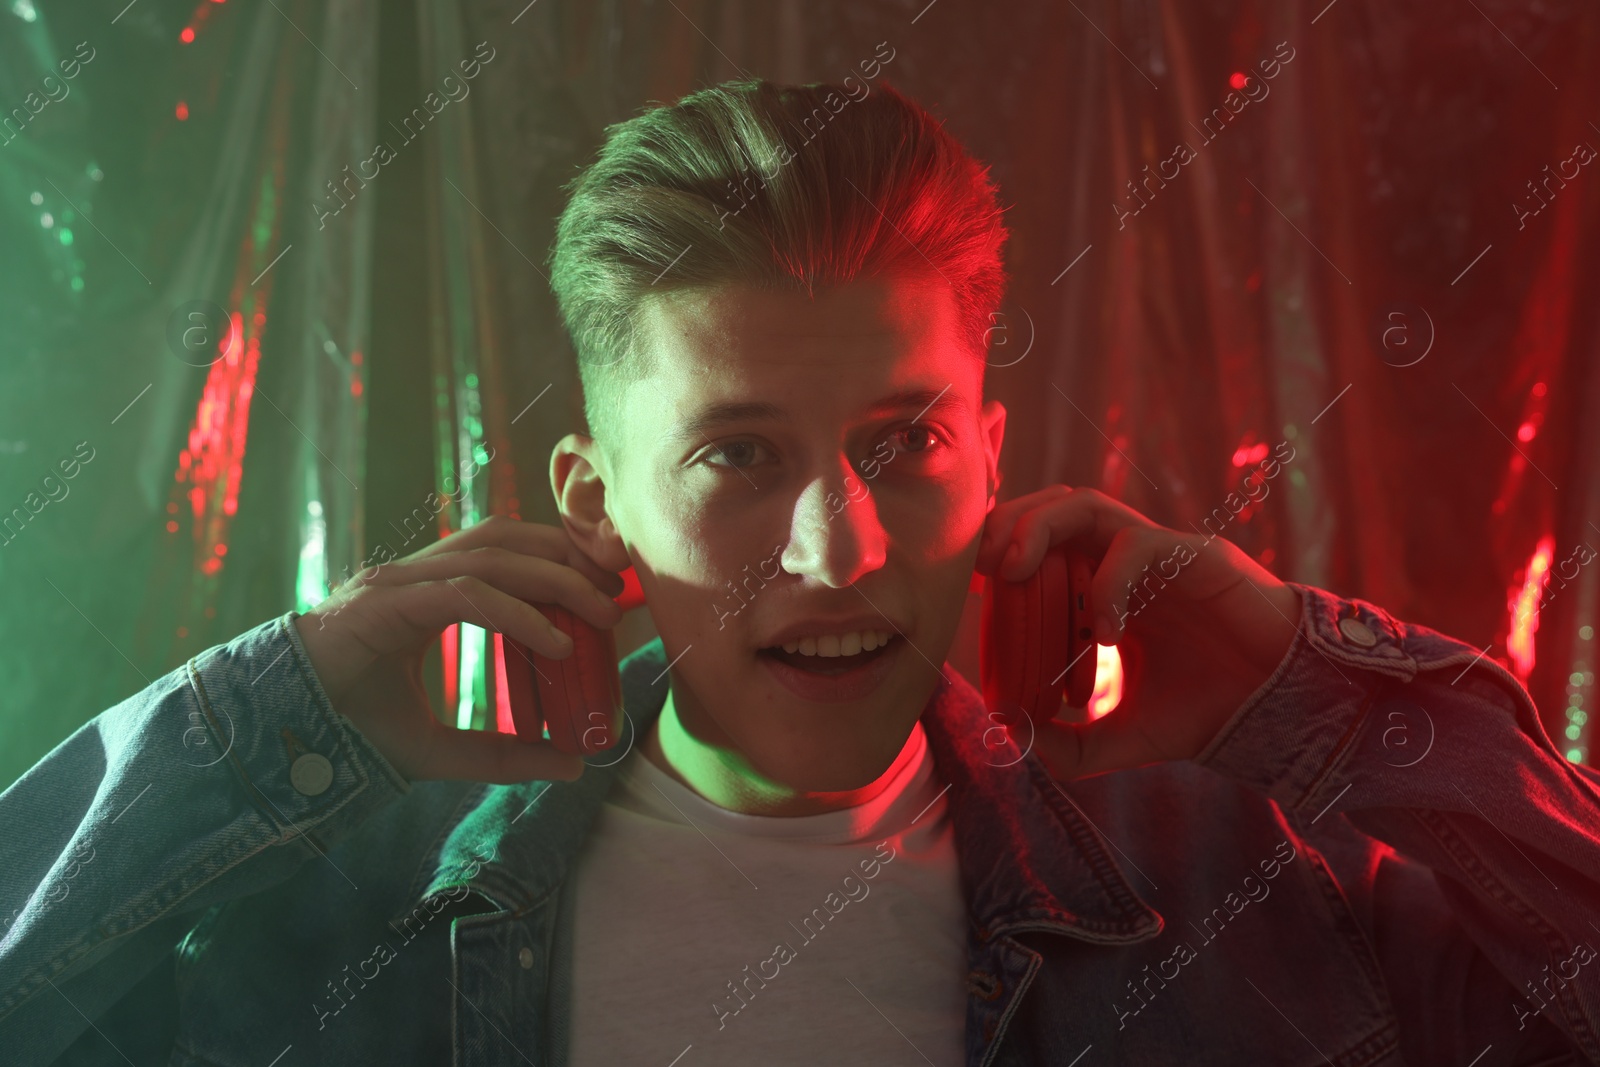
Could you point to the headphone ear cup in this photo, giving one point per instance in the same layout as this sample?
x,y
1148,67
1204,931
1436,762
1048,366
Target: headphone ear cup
x,y
578,699
517,661
1024,637
1080,652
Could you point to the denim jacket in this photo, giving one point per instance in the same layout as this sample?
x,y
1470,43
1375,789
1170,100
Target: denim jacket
x,y
1380,859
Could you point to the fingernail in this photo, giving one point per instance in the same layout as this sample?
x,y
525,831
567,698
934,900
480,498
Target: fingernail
x,y
1104,632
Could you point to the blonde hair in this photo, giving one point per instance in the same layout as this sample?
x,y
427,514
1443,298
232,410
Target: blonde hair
x,y
770,185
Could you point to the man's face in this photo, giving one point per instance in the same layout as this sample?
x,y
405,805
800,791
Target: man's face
x,y
806,472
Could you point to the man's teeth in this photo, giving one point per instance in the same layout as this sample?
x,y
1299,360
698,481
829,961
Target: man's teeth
x,y
839,644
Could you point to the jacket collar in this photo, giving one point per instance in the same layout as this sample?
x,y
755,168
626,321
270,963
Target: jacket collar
x,y
1029,858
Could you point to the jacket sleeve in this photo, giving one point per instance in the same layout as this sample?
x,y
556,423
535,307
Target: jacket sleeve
x,y
218,780
1422,742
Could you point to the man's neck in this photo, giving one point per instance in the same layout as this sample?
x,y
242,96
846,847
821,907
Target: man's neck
x,y
725,778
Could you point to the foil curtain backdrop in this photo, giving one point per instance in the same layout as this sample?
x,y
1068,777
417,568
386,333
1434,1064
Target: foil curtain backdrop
x,y
1238,228
204,338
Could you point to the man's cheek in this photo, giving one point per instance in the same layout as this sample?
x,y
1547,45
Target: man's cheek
x,y
947,518
704,583
938,543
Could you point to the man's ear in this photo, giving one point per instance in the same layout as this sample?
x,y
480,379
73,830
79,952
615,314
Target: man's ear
x,y
577,476
993,421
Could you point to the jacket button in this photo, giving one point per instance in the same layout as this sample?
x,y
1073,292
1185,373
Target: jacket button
x,y
525,957
1356,632
311,774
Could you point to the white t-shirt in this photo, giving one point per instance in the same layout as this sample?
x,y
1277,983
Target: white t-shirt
x,y
725,938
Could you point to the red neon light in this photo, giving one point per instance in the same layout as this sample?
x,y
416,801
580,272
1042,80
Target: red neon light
x,y
502,695
1108,681
1524,605
1245,455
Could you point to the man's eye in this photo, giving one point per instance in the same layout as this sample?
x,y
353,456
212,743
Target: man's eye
x,y
914,439
734,454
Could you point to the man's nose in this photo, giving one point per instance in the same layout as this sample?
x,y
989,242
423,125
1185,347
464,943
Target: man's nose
x,y
834,533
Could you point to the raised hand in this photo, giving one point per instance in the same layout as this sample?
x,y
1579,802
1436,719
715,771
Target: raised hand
x,y
1198,624
367,641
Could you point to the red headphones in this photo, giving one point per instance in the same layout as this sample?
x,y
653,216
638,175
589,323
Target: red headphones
x,y
578,698
1036,643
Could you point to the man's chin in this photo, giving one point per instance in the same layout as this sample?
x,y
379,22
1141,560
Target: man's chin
x,y
833,745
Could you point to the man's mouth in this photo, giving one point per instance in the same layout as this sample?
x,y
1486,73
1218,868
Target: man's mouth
x,y
838,660
832,657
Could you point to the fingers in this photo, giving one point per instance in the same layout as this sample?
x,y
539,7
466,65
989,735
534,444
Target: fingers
x,y
528,539
479,756
425,608
608,582
527,577
1039,528
997,530
997,552
1141,562
1019,532
1121,588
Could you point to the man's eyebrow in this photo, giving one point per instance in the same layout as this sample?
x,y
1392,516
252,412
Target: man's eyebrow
x,y
715,415
921,401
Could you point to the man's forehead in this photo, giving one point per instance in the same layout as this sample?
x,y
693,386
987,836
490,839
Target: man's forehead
x,y
740,354
743,324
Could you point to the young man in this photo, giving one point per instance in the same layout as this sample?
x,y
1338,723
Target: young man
x,y
1309,833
